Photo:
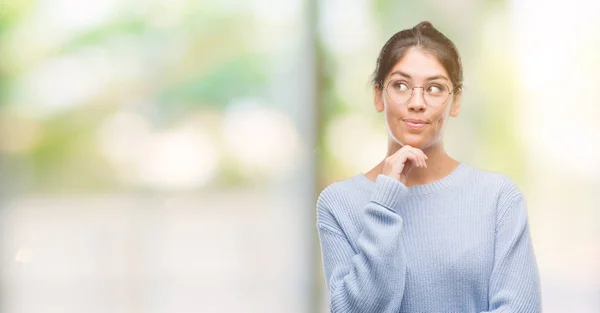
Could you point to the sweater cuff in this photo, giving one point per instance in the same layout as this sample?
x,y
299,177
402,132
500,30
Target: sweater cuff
x,y
388,192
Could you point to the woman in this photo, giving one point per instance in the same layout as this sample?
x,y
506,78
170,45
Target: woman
x,y
422,232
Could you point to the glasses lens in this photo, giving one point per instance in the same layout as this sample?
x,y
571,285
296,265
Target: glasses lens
x,y
436,94
399,91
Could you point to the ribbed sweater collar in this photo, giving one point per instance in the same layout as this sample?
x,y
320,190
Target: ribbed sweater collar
x,y
451,179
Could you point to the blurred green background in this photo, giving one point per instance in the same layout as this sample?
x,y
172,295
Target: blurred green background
x,y
166,155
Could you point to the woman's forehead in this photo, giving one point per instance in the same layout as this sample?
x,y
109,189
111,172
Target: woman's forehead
x,y
417,64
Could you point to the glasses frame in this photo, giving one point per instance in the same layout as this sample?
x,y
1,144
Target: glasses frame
x,y
412,91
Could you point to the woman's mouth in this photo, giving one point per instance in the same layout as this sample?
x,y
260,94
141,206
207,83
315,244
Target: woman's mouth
x,y
415,124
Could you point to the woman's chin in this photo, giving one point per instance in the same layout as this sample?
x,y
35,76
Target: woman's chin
x,y
413,141
414,144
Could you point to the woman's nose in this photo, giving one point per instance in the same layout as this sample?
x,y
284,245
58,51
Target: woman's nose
x,y
417,101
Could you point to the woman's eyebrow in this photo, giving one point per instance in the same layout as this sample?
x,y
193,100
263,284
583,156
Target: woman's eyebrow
x,y
428,78
438,77
396,72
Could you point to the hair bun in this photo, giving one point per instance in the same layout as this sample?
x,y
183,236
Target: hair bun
x,y
423,25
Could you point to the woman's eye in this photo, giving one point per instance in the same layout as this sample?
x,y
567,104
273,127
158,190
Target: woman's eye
x,y
400,86
435,89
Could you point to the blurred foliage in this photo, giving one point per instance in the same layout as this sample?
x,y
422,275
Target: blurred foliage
x,y
10,14
67,156
98,36
243,76
13,11
217,65
394,16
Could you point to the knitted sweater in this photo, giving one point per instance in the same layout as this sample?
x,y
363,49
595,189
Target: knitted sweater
x,y
460,244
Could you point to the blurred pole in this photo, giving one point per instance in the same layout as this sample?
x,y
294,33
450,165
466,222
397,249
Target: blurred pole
x,y
3,196
296,81
13,181
317,298
318,292
293,84
312,127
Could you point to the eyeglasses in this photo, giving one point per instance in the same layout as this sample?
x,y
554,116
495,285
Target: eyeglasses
x,y
434,94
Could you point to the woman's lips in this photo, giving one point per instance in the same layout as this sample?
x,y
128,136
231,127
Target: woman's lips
x,y
415,124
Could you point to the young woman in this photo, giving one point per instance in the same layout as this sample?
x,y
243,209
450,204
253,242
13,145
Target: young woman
x,y
422,232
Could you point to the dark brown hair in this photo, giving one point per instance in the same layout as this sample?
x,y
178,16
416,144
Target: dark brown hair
x,y
426,37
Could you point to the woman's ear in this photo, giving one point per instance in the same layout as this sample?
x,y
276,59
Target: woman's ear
x,y
378,100
455,109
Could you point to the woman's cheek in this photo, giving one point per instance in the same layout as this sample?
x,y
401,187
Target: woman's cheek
x,y
391,116
441,120
440,123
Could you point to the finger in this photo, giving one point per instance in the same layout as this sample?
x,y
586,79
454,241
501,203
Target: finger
x,y
422,156
400,162
407,152
413,157
419,155
400,151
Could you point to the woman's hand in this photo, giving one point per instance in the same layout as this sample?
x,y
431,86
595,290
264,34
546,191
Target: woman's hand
x,y
399,164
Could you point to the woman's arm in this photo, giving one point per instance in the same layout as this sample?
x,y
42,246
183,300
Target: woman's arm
x,y
514,283
370,279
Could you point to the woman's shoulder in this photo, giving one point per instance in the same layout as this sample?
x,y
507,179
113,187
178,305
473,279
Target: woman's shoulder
x,y
339,190
493,181
509,199
341,201
345,193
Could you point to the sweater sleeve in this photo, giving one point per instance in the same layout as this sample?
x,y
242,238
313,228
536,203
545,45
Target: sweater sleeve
x,y
514,284
370,278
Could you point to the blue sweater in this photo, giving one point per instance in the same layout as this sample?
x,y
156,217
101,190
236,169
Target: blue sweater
x,y
460,244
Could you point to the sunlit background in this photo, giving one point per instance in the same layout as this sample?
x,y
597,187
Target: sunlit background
x,y
165,155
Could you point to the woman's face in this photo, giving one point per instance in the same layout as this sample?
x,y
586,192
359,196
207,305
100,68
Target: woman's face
x,y
415,122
